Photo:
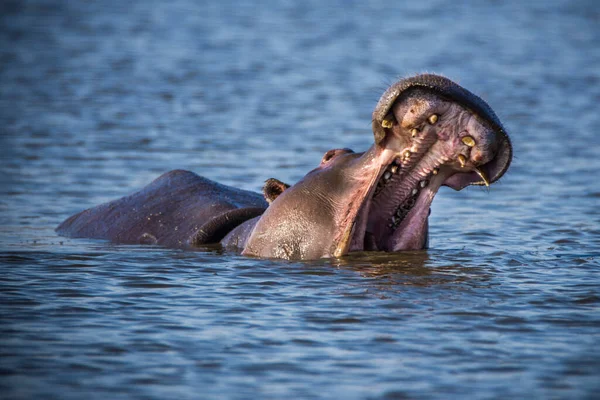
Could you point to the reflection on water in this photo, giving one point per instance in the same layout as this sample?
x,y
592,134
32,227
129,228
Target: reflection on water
x,y
409,266
98,99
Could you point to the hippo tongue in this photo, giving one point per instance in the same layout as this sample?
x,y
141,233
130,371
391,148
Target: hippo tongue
x,y
411,231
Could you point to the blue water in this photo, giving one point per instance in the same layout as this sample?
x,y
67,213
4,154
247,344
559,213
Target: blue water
x,y
99,98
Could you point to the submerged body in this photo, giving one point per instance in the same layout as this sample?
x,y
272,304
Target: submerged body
x,y
428,132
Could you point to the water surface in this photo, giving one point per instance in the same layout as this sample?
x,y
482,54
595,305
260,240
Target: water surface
x,y
99,98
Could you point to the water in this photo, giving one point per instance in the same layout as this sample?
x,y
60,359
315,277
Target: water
x,y
99,98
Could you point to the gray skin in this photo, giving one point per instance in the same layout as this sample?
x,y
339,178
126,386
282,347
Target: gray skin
x,y
178,209
428,132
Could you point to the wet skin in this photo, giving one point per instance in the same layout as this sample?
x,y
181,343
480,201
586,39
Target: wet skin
x,y
428,132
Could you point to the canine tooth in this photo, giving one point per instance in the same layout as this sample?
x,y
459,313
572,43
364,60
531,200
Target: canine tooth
x,y
468,140
415,191
387,123
414,132
435,171
462,159
483,176
432,119
394,169
387,175
423,183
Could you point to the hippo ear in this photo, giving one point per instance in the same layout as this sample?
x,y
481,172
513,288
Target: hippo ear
x,y
273,188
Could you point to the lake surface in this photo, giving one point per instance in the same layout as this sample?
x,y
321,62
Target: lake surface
x,y
99,98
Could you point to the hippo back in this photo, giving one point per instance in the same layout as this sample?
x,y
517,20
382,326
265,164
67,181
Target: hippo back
x,y
177,209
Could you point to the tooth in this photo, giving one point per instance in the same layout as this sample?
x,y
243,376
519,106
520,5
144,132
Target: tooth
x,y
423,183
433,119
407,154
435,171
394,219
387,123
414,191
414,132
469,141
462,159
387,175
483,176
394,169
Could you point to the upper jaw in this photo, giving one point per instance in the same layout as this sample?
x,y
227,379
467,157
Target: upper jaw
x,y
444,88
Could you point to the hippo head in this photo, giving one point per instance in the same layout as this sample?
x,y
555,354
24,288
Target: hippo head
x,y
428,132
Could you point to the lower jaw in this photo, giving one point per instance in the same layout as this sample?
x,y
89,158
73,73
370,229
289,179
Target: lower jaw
x,y
412,232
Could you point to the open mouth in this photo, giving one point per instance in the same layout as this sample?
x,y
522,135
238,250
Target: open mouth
x,y
401,201
428,134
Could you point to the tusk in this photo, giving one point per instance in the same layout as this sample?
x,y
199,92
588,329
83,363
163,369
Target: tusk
x,y
483,176
344,244
388,121
387,124
469,141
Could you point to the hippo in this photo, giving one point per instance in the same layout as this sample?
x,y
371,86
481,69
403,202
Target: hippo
x,y
428,132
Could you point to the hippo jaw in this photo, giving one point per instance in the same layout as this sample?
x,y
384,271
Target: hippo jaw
x,y
429,132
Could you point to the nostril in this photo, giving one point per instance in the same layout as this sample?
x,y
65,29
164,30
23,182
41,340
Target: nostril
x,y
331,154
328,156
